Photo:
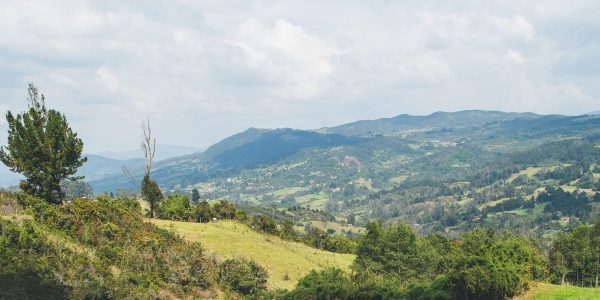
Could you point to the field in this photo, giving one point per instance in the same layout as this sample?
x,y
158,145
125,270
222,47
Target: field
x,y
311,197
546,291
229,238
332,225
366,183
287,191
398,179
529,172
523,211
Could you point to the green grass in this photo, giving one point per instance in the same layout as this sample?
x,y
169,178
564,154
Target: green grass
x,y
465,201
229,238
398,179
287,191
332,225
492,203
311,197
366,183
317,204
523,211
568,187
529,172
546,291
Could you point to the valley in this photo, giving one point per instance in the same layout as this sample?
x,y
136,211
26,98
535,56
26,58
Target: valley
x,y
446,172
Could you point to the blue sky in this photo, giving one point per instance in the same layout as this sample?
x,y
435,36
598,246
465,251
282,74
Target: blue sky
x,y
204,70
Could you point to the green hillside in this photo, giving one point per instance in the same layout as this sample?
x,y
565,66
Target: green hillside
x,y
446,172
228,239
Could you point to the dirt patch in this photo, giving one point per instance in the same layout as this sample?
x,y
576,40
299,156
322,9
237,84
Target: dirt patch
x,y
7,209
349,161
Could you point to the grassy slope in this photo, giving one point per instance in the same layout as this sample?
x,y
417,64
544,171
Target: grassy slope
x,y
229,238
548,291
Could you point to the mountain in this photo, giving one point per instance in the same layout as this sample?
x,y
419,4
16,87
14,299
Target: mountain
x,y
96,168
100,167
593,113
366,146
407,123
163,151
275,145
8,178
243,150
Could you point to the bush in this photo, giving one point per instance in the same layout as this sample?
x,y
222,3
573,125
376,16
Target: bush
x,y
176,207
243,276
100,250
331,283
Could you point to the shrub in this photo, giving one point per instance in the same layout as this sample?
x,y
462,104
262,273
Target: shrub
x,y
331,283
176,207
243,276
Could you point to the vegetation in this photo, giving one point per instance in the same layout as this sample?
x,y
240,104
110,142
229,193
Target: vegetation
x,y
393,263
424,209
285,261
102,249
150,190
575,256
545,291
243,276
42,147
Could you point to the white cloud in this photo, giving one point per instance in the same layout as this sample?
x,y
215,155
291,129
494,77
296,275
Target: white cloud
x,y
205,70
556,96
517,26
109,80
514,56
296,63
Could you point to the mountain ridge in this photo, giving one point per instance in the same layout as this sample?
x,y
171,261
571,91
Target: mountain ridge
x,y
254,147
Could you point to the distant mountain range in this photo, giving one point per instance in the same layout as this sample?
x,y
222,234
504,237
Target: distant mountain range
x,y
163,151
257,148
262,147
404,123
108,164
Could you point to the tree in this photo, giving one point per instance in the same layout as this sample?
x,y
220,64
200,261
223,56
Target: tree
x,y
176,207
195,196
203,212
288,230
150,190
42,147
224,210
151,193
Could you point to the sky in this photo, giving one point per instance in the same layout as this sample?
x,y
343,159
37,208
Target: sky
x,y
204,70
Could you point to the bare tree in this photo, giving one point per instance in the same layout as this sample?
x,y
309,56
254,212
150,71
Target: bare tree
x,y
148,145
150,189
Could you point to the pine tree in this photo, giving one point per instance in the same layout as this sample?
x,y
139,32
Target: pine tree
x,y
42,147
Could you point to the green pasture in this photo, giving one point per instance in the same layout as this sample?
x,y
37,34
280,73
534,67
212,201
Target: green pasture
x,y
228,239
